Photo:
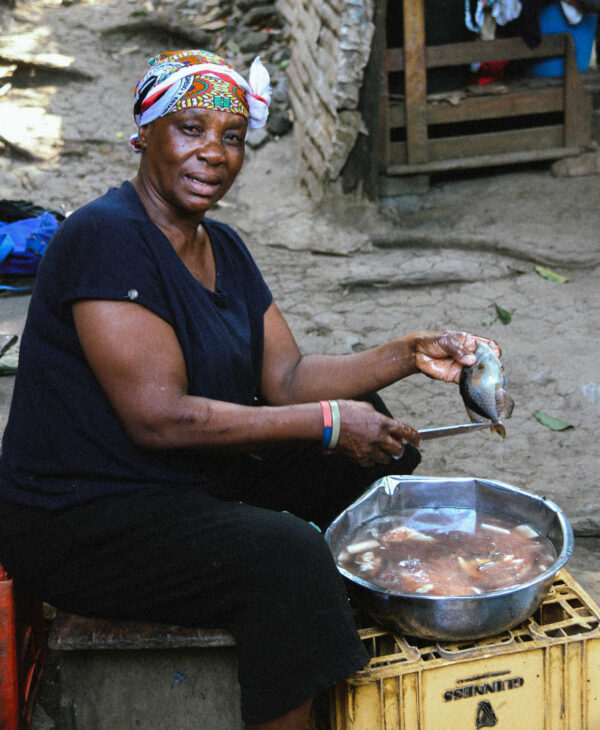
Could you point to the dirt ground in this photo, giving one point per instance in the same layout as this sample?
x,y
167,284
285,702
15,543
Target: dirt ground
x,y
347,276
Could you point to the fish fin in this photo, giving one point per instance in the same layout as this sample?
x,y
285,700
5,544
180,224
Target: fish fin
x,y
508,406
499,429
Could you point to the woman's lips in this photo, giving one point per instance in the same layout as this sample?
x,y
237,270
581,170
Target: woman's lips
x,y
203,184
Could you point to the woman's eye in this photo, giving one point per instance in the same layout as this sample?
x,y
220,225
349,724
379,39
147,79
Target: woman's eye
x,y
233,137
191,129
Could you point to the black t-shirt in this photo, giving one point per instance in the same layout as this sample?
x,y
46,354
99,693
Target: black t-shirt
x,y
63,442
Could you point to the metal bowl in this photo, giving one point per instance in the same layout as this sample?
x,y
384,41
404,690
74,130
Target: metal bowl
x,y
453,618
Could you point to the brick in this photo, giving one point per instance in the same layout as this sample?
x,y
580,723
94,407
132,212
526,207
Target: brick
x,y
336,5
312,24
314,157
330,18
348,126
319,134
297,82
327,57
328,42
314,186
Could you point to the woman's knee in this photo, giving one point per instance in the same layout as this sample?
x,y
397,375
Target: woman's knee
x,y
295,552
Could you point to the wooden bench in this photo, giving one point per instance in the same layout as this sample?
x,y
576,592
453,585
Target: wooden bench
x,y
122,675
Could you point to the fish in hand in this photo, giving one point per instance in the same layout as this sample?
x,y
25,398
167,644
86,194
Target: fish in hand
x,y
482,389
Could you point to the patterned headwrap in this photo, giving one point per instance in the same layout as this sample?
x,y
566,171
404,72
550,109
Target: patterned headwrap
x,y
183,79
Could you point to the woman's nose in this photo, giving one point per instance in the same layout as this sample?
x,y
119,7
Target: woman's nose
x,y
211,149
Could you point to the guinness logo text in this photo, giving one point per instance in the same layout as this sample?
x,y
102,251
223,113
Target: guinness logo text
x,y
472,690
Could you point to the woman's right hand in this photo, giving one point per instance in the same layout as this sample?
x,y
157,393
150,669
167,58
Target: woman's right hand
x,y
370,437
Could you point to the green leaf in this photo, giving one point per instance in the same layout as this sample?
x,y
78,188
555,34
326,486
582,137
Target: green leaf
x,y
284,64
551,275
138,14
550,422
503,315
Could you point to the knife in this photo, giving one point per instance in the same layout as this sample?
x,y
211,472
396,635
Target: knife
x,y
436,433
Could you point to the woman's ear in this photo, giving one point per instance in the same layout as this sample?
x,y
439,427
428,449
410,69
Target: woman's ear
x,y
142,140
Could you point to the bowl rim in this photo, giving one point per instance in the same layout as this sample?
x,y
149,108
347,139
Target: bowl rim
x,y
547,575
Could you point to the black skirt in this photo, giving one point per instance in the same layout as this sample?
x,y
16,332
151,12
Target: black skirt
x,y
246,560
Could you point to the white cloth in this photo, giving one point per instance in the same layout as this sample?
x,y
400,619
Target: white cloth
x,y
572,14
502,11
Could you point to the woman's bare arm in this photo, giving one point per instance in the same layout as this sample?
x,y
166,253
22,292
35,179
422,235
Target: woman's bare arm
x,y
138,361
290,377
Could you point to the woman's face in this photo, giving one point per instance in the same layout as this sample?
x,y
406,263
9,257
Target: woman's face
x,y
191,157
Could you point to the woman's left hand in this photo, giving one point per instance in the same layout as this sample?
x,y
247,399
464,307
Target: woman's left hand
x,y
441,354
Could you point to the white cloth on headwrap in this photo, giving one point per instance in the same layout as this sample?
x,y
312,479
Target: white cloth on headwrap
x,y
174,86
260,88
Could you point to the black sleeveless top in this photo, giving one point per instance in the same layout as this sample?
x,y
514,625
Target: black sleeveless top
x,y
63,442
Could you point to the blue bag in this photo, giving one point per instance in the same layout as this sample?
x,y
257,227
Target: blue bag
x,y
25,230
22,243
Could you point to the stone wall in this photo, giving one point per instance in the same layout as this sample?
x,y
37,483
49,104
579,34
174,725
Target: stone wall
x,y
329,43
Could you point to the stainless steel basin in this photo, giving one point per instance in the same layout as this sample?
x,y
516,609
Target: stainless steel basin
x,y
443,618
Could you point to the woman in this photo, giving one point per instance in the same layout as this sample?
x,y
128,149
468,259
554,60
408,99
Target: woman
x,y
168,444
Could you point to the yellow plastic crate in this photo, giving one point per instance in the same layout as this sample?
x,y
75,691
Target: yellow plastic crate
x,y
541,675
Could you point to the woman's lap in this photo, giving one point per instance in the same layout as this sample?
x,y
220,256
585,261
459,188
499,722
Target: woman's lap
x,y
317,486
181,556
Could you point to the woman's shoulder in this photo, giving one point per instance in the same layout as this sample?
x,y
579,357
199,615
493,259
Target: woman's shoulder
x,y
116,207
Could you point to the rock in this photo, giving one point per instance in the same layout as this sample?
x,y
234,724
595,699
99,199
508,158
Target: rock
x,y
265,16
280,54
244,5
279,123
281,91
256,138
252,41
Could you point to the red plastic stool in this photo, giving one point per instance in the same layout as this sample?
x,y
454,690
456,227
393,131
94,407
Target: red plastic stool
x,y
22,644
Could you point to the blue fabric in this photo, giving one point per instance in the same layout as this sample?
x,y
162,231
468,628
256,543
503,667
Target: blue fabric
x,y
63,442
23,242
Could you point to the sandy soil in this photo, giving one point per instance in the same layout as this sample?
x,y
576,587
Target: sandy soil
x,y
346,276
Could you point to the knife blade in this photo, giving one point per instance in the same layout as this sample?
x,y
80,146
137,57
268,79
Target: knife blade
x,y
436,433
